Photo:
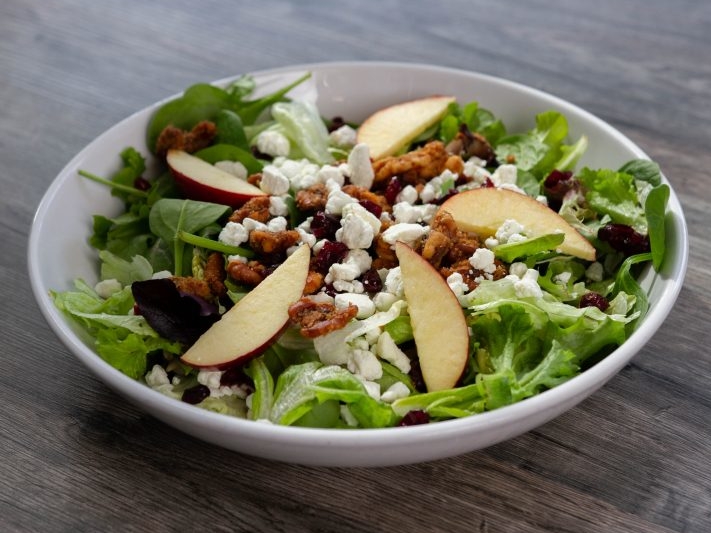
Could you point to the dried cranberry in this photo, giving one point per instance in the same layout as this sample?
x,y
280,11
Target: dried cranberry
x,y
330,290
372,207
371,281
142,184
594,299
235,376
324,225
414,418
392,190
488,183
624,239
194,395
336,122
331,252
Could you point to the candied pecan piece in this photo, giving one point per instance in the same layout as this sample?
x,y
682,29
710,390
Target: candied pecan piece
x,y
215,273
194,286
444,223
463,246
361,193
255,179
172,138
385,255
273,242
249,274
312,199
314,281
436,247
415,167
256,208
315,319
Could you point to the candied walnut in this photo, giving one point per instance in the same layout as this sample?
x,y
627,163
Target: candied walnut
x,y
444,223
385,255
315,319
256,208
172,138
463,246
312,199
361,193
436,247
215,273
314,281
255,179
415,167
276,242
455,164
194,286
249,274
470,274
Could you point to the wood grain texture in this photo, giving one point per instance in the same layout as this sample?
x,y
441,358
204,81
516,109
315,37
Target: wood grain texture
x,y
635,457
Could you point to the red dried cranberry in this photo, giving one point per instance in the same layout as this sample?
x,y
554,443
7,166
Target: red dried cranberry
x,y
371,281
235,376
414,418
594,299
336,122
330,290
324,225
488,183
392,190
372,207
331,252
142,184
624,239
194,395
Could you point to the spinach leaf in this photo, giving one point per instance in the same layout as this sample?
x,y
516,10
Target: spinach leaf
x,y
227,152
168,216
251,111
230,129
643,170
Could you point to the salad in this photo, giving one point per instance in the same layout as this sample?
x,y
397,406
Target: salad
x,y
423,265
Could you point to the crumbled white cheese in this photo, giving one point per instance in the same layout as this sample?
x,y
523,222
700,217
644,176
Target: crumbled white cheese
x,y
518,269
528,286
307,238
237,259
483,259
406,213
360,169
235,168
358,226
273,181
157,376
273,143
407,194
342,272
277,224
509,228
562,279
337,200
384,300
456,284
359,258
365,305
301,173
504,174
328,174
396,391
365,364
233,234
162,274
354,286
250,225
393,282
344,136
474,169
408,233
388,350
277,206
107,287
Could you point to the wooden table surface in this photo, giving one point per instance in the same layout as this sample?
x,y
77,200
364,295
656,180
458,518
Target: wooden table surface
x,y
636,456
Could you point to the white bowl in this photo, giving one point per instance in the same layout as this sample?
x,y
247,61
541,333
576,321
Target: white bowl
x,y
352,90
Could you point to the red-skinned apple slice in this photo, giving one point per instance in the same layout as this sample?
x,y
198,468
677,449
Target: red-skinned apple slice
x,y
254,322
438,323
199,180
390,129
483,211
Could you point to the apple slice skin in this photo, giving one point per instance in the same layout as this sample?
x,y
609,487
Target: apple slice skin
x,y
438,322
386,131
254,322
483,210
199,180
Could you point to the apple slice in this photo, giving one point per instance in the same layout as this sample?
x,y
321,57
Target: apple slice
x,y
199,180
256,320
438,323
392,128
483,211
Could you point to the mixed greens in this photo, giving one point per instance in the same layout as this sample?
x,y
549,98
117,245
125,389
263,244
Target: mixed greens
x,y
546,319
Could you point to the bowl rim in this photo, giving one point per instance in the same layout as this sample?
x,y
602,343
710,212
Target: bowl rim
x,y
142,396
